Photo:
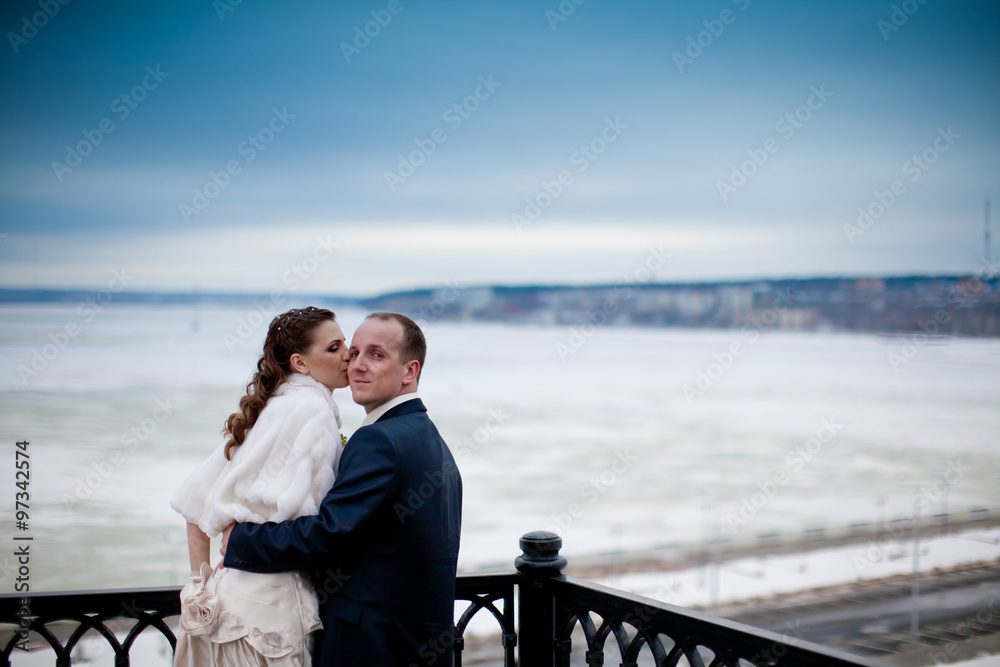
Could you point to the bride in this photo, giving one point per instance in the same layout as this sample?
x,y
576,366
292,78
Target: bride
x,y
279,459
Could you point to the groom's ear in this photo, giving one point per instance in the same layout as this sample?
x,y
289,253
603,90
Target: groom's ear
x,y
412,372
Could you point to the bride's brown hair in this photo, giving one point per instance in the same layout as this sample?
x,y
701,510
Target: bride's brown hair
x,y
287,334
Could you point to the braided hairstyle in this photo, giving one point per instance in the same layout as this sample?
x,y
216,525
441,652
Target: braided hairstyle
x,y
288,333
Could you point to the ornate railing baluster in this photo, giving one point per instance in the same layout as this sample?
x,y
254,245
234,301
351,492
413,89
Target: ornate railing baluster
x,y
483,591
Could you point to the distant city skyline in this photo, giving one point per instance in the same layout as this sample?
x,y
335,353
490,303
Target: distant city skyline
x,y
396,145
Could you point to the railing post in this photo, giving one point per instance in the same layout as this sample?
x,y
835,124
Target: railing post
x,y
539,562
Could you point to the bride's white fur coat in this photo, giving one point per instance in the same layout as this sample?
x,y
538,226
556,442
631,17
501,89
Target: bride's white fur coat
x,y
283,469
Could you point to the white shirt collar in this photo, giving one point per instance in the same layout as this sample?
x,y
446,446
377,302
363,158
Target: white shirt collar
x,y
374,415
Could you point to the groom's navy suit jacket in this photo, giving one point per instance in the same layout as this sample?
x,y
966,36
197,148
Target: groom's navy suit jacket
x,y
383,547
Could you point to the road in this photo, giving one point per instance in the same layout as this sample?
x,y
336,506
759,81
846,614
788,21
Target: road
x,y
960,607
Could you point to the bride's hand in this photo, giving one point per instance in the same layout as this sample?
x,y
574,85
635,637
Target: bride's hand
x,y
225,538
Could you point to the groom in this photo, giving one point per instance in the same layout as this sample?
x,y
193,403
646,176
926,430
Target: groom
x,y
387,533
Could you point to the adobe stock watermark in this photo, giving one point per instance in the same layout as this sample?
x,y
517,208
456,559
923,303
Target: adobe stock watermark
x,y
249,149
31,25
468,446
786,126
418,496
579,335
666,590
454,116
972,625
777,650
899,529
439,303
641,615
24,611
562,12
706,377
293,277
962,296
122,107
900,14
581,158
795,460
697,44
8,569
333,581
86,311
592,490
131,438
223,7
436,649
363,35
914,168
914,342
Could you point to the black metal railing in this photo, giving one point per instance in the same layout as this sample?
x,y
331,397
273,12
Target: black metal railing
x,y
91,610
551,607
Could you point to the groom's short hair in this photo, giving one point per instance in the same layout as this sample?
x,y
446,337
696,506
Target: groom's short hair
x,y
413,345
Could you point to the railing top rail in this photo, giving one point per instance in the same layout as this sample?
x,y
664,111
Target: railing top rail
x,y
106,603
505,576
37,595
688,623
129,601
12,600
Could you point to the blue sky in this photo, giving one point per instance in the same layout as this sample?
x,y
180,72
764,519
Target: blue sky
x,y
819,108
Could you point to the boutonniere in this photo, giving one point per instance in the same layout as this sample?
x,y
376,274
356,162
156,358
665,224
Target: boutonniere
x,y
343,440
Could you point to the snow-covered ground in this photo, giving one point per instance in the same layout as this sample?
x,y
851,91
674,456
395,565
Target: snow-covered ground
x,y
748,578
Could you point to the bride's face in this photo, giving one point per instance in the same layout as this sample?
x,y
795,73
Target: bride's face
x,y
326,359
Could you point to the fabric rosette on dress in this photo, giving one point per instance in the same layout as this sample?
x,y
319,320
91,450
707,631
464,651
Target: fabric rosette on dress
x,y
199,605
244,619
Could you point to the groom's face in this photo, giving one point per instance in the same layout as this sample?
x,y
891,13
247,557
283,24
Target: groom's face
x,y
376,371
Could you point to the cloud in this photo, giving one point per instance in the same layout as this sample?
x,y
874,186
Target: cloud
x,y
658,182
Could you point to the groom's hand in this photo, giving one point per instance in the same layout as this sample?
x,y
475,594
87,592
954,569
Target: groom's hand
x,y
225,538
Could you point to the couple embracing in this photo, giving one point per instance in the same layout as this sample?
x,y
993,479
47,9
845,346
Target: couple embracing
x,y
300,509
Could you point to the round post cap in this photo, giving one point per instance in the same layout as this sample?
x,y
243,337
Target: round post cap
x,y
540,553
